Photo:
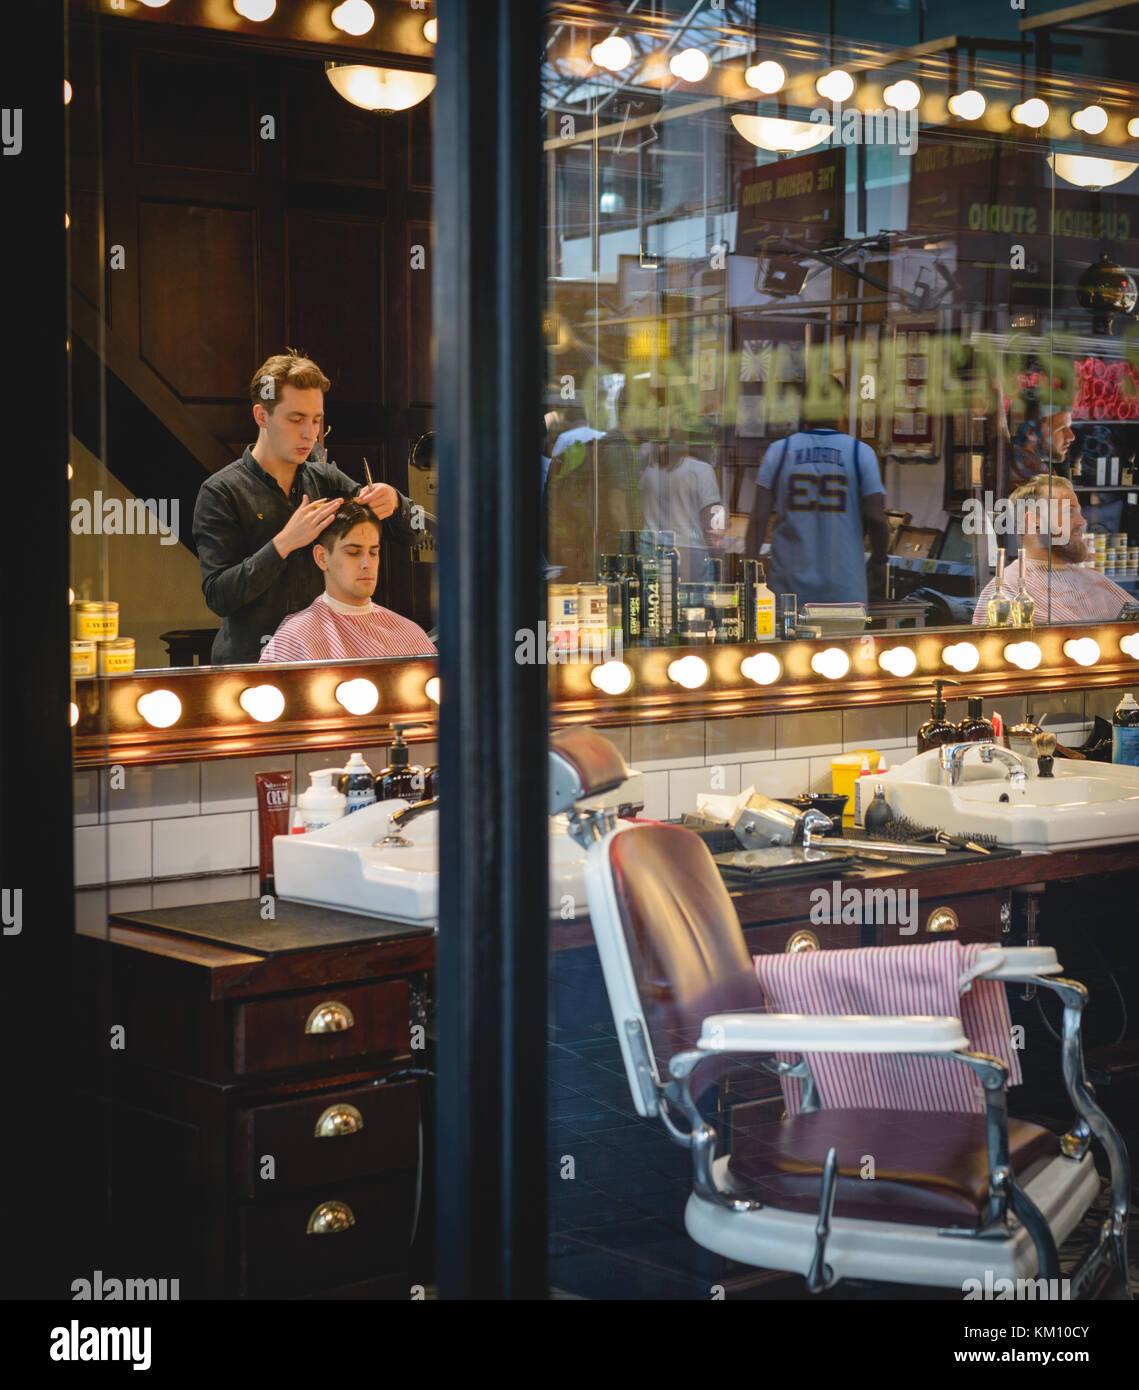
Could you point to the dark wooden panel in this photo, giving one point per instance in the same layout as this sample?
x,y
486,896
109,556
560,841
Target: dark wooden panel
x,y
334,310
88,268
327,139
197,297
419,142
420,373
194,113
269,1035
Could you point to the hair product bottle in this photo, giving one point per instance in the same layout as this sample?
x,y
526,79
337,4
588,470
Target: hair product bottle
x,y
999,608
975,728
937,729
1023,604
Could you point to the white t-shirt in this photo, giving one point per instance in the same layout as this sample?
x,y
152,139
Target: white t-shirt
x,y
673,498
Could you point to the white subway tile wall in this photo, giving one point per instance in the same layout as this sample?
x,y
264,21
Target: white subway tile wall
x,y
202,844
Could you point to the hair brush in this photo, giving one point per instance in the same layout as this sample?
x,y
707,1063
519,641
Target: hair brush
x,y
902,828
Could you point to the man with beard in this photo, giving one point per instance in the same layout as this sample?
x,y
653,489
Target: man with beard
x,y
1054,546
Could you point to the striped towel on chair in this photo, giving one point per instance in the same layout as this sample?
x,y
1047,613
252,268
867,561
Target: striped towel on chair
x,y
943,977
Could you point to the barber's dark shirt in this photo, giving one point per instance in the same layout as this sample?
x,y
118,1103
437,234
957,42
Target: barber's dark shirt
x,y
245,582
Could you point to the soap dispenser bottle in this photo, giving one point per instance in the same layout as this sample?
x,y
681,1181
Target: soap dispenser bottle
x,y
399,779
937,730
975,728
1125,732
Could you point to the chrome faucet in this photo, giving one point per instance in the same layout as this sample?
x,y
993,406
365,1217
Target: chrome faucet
x,y
953,755
399,819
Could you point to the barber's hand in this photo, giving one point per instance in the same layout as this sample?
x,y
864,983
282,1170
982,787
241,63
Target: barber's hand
x,y
305,524
380,498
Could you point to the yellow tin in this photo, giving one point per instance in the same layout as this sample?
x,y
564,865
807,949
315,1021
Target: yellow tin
x,y
116,656
83,658
96,621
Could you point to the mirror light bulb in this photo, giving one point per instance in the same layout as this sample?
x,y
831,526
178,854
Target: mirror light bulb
x,y
1092,120
967,106
262,702
431,689
690,672
1129,645
354,17
763,668
835,85
832,663
358,696
690,66
74,715
899,661
904,95
962,656
613,53
1084,651
160,708
431,30
614,677
66,92
1026,655
256,10
767,76
1133,127
1032,113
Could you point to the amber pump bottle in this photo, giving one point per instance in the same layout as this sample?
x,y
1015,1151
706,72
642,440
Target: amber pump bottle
x,y
937,729
975,728
399,779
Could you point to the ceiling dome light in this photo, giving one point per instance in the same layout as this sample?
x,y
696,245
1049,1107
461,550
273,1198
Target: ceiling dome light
x,y
380,89
155,4
160,708
354,17
962,656
967,106
614,677
689,672
431,30
1084,651
358,696
690,66
904,95
899,661
431,689
832,663
780,136
1026,655
1086,171
262,702
835,85
1032,113
256,10
767,77
613,53
763,668
1092,120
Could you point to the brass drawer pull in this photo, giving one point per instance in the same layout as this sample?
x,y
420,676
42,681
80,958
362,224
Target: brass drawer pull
x,y
802,940
329,1219
338,1119
330,1017
941,919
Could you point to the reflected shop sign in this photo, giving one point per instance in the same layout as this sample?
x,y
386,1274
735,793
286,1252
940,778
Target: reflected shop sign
x,y
993,202
800,199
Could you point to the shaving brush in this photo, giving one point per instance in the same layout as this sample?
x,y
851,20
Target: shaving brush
x,y
1045,746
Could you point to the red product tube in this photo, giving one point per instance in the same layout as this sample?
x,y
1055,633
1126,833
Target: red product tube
x,y
273,791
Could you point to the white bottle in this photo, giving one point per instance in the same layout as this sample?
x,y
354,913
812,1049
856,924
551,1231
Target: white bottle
x,y
357,784
321,804
863,791
764,601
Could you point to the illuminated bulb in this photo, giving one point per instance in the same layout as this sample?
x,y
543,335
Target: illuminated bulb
x,y
160,708
1129,645
66,92
613,53
74,715
1091,120
899,661
614,677
1133,127
967,106
431,30
1084,651
1026,655
70,472
690,66
835,85
66,221
766,77
71,596
1033,112
431,689
358,696
262,702
354,17
833,663
903,95
155,4
689,672
962,656
255,9
763,668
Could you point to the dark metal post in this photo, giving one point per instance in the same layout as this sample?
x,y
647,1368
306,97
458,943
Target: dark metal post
x,y
493,723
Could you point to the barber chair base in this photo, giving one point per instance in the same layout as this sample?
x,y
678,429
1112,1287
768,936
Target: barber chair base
x,y
880,1251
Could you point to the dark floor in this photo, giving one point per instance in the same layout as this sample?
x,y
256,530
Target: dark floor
x,y
619,1185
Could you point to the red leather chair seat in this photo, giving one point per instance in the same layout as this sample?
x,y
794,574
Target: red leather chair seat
x,y
930,1169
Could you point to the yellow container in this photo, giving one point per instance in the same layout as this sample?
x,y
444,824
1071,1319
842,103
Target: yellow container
x,y
116,656
96,621
83,658
844,773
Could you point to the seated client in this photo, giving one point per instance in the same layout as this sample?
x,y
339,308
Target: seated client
x,y
344,622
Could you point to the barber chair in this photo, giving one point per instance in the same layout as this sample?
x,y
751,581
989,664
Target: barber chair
x,y
956,1197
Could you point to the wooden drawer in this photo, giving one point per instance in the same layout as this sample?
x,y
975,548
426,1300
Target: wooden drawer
x,y
967,917
278,1255
271,1034
802,935
362,1130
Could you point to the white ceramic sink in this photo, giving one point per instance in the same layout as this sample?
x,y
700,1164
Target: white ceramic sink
x,y
1081,804
342,867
